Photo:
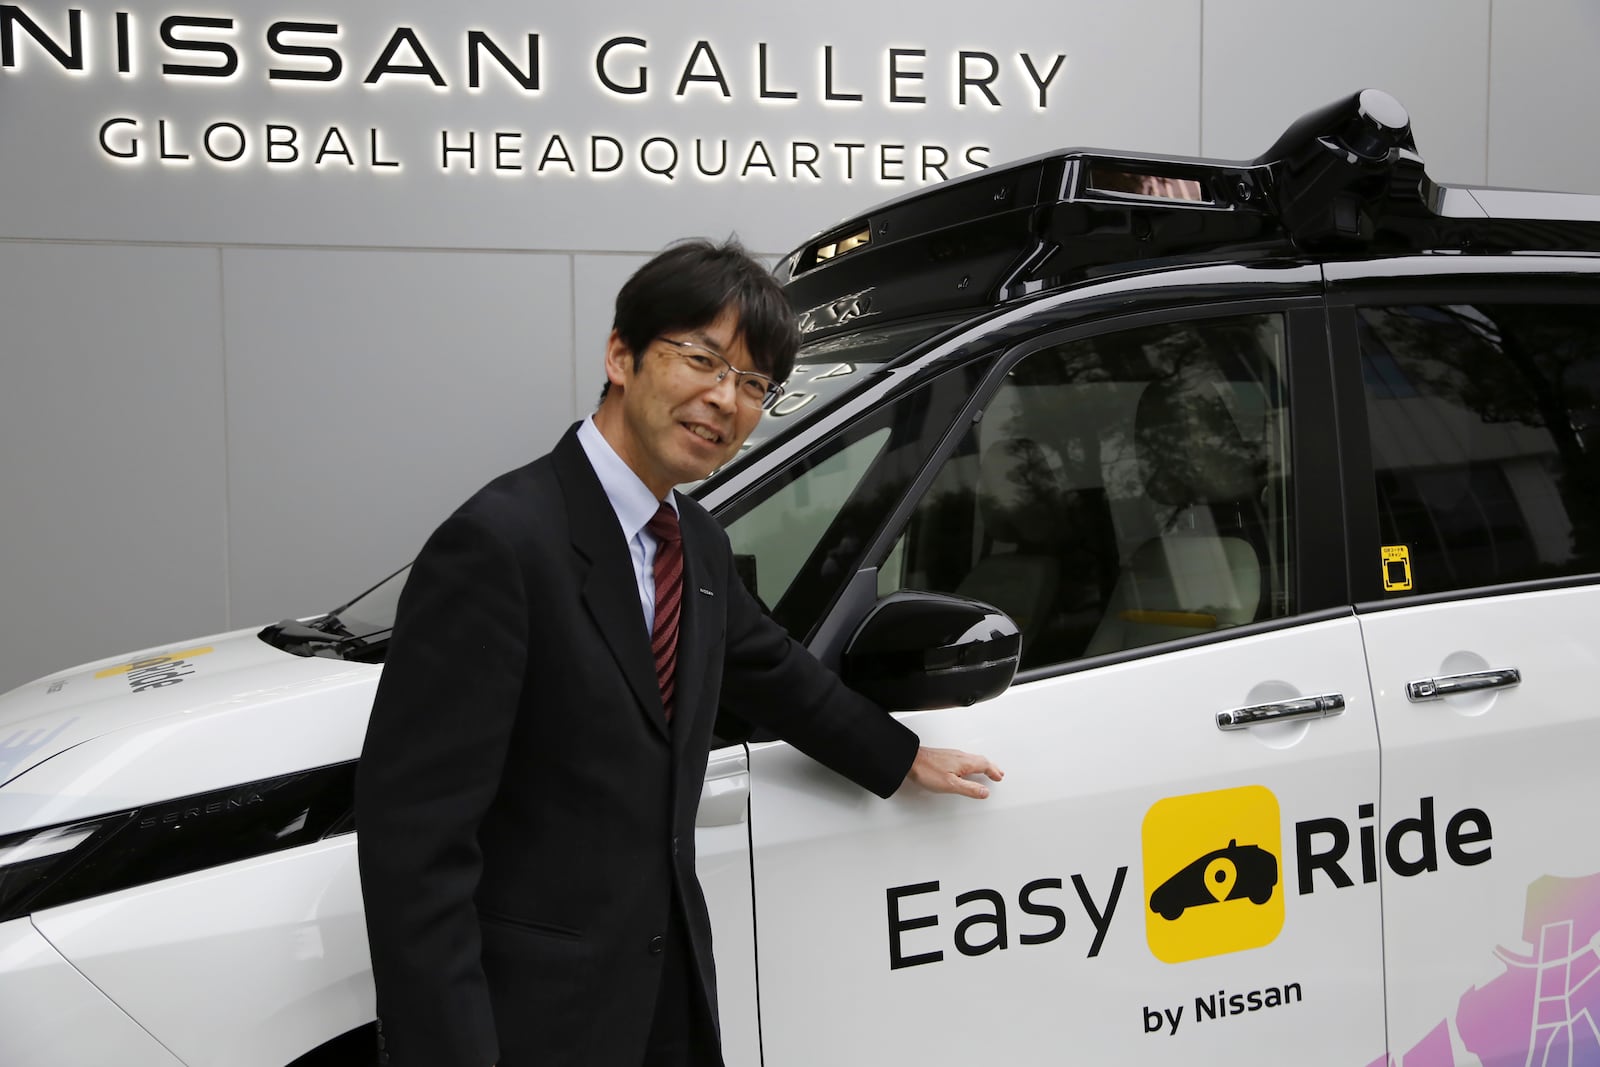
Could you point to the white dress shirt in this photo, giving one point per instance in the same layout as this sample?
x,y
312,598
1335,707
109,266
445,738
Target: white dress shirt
x,y
634,505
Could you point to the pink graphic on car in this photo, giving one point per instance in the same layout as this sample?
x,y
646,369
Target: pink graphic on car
x,y
1544,1011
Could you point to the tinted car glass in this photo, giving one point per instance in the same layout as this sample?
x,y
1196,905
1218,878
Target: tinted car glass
x,y
1485,429
1119,491
800,535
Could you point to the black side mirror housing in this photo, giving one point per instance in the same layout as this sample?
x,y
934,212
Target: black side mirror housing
x,y
917,651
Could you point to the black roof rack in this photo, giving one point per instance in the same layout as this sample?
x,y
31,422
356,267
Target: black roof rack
x,y
1342,181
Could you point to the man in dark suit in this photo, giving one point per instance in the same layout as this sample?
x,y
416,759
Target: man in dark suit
x,y
527,793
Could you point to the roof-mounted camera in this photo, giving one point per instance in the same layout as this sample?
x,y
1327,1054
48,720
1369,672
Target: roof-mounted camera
x,y
1339,170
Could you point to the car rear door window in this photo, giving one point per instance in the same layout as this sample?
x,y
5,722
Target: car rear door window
x,y
1485,431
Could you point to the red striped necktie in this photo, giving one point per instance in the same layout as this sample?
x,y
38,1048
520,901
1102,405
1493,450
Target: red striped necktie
x,y
669,600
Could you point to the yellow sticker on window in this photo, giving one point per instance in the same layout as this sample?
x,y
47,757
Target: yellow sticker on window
x,y
1396,568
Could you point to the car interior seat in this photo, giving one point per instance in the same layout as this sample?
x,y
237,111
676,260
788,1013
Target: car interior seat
x,y
1204,570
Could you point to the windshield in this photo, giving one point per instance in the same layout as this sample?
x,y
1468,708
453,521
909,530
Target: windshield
x,y
825,372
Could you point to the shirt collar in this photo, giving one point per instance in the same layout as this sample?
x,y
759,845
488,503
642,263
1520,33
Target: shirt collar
x,y
631,500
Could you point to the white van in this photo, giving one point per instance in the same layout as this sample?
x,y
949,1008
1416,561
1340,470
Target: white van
x,y
1288,473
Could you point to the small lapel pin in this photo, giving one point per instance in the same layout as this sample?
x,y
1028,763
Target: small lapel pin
x,y
706,591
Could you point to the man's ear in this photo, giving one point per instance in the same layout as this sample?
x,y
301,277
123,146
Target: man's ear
x,y
619,361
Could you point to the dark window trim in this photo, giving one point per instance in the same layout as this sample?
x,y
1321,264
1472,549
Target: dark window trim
x,y
1455,274
1359,487
882,543
1315,459
1527,287
1164,647
1479,592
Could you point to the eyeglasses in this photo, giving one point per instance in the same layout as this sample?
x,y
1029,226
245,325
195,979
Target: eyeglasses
x,y
755,391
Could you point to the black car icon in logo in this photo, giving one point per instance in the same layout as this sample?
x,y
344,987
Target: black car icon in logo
x,y
1237,872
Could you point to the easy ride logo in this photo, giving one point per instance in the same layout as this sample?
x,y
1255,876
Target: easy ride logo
x,y
1212,873
157,671
1216,871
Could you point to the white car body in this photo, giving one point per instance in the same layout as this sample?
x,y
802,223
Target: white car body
x,y
253,963
153,974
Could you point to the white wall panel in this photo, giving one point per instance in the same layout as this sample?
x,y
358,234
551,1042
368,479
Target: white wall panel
x,y
369,393
1267,62
111,452
596,280
1543,87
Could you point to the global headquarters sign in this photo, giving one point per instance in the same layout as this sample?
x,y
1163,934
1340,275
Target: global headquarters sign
x,y
551,103
307,52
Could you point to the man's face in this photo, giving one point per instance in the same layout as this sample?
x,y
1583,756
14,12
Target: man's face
x,y
670,424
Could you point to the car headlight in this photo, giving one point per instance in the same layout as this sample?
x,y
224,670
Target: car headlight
x,y
53,865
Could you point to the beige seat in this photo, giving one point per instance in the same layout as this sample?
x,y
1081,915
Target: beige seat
x,y
1203,572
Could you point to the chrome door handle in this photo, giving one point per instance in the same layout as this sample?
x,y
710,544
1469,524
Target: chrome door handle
x,y
1451,684
1318,707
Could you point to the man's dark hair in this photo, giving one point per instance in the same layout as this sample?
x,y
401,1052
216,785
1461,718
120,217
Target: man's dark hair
x,y
689,284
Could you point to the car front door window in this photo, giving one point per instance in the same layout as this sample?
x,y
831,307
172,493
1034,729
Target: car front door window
x,y
1119,491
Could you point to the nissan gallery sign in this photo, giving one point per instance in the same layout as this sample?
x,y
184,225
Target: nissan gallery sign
x,y
497,125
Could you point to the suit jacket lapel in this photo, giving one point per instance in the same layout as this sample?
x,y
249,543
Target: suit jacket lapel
x,y
609,593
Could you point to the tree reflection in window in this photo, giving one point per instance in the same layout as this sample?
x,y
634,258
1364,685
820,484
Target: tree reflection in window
x,y
1488,465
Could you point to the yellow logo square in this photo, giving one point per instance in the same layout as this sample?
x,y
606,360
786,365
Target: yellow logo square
x,y
1212,873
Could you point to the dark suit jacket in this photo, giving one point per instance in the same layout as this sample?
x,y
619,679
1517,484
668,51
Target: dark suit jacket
x,y
524,813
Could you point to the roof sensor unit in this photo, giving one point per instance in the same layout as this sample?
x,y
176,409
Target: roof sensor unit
x,y
1339,169
1345,180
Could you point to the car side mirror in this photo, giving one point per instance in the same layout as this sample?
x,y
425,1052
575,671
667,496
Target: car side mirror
x,y
915,651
